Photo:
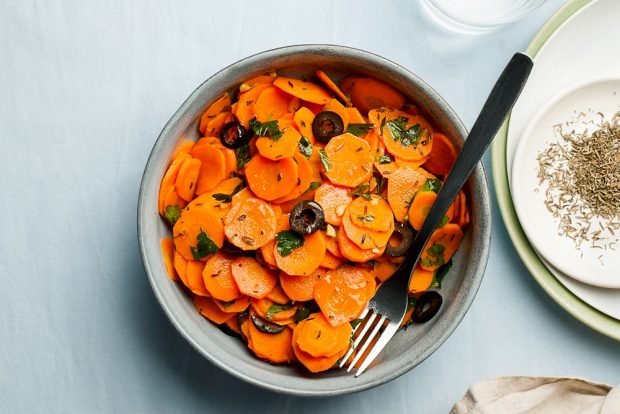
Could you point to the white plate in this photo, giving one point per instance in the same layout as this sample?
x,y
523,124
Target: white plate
x,y
587,264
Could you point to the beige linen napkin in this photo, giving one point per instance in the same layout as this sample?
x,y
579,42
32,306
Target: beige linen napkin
x,y
539,395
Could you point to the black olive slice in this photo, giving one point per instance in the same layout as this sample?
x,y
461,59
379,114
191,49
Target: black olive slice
x,y
406,238
234,135
326,125
264,326
426,307
233,250
307,217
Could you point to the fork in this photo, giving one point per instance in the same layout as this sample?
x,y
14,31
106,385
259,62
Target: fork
x,y
386,310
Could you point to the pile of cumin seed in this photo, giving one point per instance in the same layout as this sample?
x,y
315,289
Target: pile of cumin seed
x,y
581,171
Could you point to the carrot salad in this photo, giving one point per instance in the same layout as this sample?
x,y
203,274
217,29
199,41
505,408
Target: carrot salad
x,y
299,200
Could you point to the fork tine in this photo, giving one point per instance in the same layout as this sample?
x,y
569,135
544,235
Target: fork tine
x,y
385,337
366,324
371,335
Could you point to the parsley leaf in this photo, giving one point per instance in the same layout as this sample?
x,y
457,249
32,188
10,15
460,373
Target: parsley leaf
x,y
305,147
411,301
243,155
443,222
275,308
440,274
431,184
227,198
435,256
359,129
385,159
204,246
356,322
301,314
327,164
380,184
287,241
407,136
313,186
269,129
172,214
362,190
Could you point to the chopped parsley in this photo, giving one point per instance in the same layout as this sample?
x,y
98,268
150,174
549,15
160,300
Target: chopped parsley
x,y
385,159
362,190
243,155
440,274
269,129
172,214
313,186
275,308
327,164
227,198
204,246
305,147
431,184
359,129
407,136
435,256
287,241
301,314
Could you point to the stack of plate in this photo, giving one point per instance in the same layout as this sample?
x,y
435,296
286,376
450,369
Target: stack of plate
x,y
577,70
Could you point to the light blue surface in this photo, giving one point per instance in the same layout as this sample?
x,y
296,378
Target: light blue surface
x,y
85,89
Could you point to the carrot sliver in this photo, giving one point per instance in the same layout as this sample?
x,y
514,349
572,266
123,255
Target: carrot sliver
x,y
409,151
212,169
350,159
334,200
214,127
195,282
303,119
463,213
252,279
266,252
351,251
215,204
252,225
331,85
369,93
232,324
173,199
167,251
330,261
234,306
421,280
220,105
331,243
386,169
315,336
442,155
334,105
284,147
402,186
304,175
441,246
373,140
278,296
384,269
341,294
306,91
255,81
276,348
374,214
355,117
180,265
245,107
306,258
271,104
207,308
170,178
217,278
191,225
365,238
420,206
315,364
300,288
187,179
184,145
271,179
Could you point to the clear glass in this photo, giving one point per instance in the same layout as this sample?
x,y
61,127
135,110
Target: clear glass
x,y
478,16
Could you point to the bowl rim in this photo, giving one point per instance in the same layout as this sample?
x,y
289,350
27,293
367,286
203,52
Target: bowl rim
x,y
479,177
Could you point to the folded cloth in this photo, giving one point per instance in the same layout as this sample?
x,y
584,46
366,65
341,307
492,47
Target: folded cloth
x,y
534,395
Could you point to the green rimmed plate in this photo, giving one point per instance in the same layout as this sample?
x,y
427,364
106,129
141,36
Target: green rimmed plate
x,y
564,297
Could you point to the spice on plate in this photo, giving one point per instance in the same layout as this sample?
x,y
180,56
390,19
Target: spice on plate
x,y
582,173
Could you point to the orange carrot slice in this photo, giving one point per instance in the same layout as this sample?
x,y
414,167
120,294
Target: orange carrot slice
x,y
255,81
341,294
369,93
188,232
331,243
214,127
334,200
374,213
318,338
170,178
365,238
216,200
350,160
173,199
300,288
351,251
180,265
186,180
334,105
384,269
234,306
305,259
277,295
271,104
275,348
193,273
355,117
331,85
421,205
330,261
303,119
306,91
388,123
217,278
385,169
185,145
284,147
402,186
207,308
315,364
271,179
421,280
167,251
304,174
220,105
245,107
252,279
252,225
442,155
212,169
441,246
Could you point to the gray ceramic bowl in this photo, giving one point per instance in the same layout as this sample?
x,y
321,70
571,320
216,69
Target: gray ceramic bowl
x,y
408,348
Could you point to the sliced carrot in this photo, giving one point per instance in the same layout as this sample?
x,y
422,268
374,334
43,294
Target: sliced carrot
x,y
334,200
351,251
341,294
315,162
394,143
306,258
369,93
186,180
304,178
255,81
230,157
411,164
441,246
334,105
374,213
252,225
214,127
233,324
170,178
284,147
215,200
365,238
195,282
245,107
276,348
350,159
167,252
271,179
306,91
185,145
442,155
267,255
207,141
355,117
252,279
330,261
237,200
173,199
220,105
217,278
278,296
180,265
371,285
189,227
271,104
212,169
234,306
421,280
317,337
331,243
420,207
331,85
207,308
300,288
315,364
373,140
384,269
402,186
457,208
463,213
385,169
303,119
294,104
288,206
